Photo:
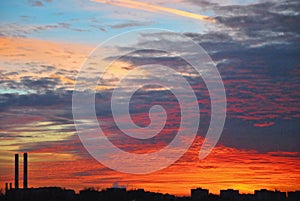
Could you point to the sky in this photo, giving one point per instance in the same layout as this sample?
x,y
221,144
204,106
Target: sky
x,y
46,44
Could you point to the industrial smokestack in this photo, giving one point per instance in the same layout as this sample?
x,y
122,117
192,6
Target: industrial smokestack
x,y
6,188
25,182
16,171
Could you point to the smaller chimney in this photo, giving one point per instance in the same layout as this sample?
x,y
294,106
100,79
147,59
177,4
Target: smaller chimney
x,y
10,186
16,171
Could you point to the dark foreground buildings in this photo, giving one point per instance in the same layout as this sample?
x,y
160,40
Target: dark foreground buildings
x,y
110,194
121,194
200,194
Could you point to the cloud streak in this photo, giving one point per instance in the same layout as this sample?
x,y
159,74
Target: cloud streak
x,y
155,8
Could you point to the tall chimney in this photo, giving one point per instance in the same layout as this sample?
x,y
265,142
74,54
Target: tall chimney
x,y
16,171
25,182
6,188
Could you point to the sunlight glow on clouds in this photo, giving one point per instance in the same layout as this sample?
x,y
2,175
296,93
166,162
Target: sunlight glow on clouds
x,y
156,8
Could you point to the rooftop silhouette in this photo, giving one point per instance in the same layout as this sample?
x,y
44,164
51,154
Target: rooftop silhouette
x,y
122,194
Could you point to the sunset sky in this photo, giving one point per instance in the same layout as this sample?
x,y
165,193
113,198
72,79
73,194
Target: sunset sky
x,y
255,45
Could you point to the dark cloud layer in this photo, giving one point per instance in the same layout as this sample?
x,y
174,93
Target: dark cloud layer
x,y
256,48
130,24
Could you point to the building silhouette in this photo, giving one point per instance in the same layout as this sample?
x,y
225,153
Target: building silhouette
x,y
41,194
294,196
230,194
199,194
267,195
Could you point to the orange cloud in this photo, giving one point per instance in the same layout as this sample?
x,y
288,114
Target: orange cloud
x,y
30,57
156,8
267,124
59,54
